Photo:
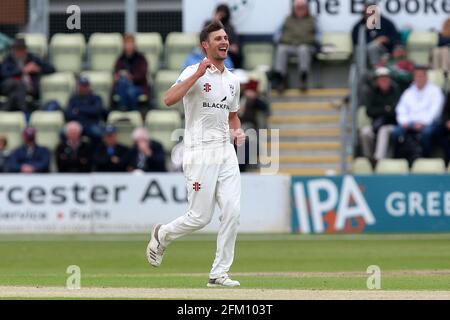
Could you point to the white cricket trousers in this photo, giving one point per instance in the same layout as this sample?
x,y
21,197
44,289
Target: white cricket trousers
x,y
212,176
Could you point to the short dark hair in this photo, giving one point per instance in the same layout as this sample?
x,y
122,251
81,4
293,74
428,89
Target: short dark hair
x,y
210,28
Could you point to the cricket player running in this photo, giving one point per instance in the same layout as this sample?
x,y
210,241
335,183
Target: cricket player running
x,y
210,94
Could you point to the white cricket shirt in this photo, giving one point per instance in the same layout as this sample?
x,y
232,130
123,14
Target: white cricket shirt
x,y
207,106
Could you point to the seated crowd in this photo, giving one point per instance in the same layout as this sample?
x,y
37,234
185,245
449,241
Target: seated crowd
x,y
76,154
409,115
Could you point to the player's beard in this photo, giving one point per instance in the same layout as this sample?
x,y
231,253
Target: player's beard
x,y
218,57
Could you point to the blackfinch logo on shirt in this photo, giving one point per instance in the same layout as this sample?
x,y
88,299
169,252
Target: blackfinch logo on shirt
x,y
216,105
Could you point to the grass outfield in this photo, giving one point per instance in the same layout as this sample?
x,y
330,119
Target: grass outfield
x,y
410,262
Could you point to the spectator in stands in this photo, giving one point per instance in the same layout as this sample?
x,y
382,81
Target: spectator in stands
x,y
418,111
379,41
73,155
4,154
21,72
86,108
441,54
146,155
130,75
254,110
401,69
381,102
30,157
223,14
298,37
444,131
197,55
110,156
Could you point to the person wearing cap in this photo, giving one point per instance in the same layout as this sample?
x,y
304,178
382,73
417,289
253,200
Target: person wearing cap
x,y
299,36
110,155
400,67
86,107
72,154
252,105
146,155
379,41
130,76
382,98
30,157
418,111
21,72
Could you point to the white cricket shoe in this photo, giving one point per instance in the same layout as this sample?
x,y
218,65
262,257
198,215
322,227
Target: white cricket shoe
x,y
155,251
223,282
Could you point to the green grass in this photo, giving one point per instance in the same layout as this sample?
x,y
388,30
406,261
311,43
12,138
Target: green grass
x,y
119,261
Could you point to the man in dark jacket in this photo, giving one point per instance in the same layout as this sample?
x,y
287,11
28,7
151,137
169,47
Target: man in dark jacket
x,y
444,131
379,41
86,108
146,155
381,103
29,158
73,155
130,76
21,72
110,156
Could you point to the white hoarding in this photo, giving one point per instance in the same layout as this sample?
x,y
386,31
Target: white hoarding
x,y
265,17
125,203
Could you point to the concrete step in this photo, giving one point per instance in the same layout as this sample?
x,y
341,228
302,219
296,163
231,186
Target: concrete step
x,y
304,119
307,125
310,132
318,112
308,171
307,146
332,92
311,159
305,106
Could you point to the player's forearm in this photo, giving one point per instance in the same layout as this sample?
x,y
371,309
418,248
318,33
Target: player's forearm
x,y
234,122
177,92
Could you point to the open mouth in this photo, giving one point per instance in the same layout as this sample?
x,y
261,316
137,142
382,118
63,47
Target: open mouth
x,y
223,49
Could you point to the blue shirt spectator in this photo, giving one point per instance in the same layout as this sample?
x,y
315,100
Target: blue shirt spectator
x,y
29,158
86,108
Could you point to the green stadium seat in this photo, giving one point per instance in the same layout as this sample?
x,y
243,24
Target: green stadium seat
x,y
125,122
420,44
48,125
428,166
392,166
151,45
258,54
12,123
362,166
104,49
57,86
101,84
161,124
362,117
336,46
67,51
178,47
437,77
36,43
164,80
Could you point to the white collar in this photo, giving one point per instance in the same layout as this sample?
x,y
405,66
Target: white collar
x,y
214,69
